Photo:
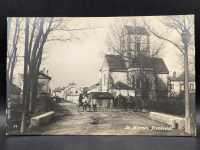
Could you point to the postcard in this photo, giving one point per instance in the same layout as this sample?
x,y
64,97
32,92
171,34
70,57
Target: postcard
x,y
101,75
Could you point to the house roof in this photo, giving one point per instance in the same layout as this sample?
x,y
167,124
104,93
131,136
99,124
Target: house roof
x,y
181,77
44,76
160,66
93,86
151,62
136,30
101,95
117,62
121,86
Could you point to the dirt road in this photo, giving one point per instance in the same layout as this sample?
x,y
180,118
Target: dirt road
x,y
105,123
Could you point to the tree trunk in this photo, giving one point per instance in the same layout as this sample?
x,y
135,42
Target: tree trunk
x,y
12,55
23,121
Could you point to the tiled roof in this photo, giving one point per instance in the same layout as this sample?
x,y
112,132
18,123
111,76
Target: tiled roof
x,y
44,75
136,30
116,62
145,62
93,86
160,66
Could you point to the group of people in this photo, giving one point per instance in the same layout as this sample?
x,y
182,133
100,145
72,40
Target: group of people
x,y
119,102
86,104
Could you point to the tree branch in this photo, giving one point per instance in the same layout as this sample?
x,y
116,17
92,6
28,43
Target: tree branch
x,y
165,39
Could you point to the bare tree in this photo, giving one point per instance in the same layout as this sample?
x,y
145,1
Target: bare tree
x,y
12,52
115,38
118,44
38,32
183,26
22,128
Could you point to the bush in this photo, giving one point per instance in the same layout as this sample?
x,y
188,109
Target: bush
x,y
171,105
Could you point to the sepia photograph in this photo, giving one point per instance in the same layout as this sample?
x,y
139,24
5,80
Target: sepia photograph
x,y
101,76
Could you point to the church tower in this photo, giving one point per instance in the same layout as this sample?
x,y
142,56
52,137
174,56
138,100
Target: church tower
x,y
136,42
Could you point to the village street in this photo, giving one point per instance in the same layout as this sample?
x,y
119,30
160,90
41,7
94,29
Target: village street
x,y
72,122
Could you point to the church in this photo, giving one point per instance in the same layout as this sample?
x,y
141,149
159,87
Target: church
x,y
135,71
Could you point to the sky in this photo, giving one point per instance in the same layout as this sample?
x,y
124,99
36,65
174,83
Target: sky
x,y
79,60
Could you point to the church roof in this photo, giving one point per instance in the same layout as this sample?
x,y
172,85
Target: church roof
x,y
160,66
136,30
116,62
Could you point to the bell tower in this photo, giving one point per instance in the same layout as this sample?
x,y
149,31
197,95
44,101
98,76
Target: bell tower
x,y
137,41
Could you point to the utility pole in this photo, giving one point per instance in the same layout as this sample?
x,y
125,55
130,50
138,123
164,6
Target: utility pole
x,y
188,112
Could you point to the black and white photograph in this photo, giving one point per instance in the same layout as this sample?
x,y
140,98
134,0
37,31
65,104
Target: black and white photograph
x,y
130,75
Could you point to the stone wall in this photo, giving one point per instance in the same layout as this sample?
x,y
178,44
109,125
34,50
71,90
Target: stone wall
x,y
173,121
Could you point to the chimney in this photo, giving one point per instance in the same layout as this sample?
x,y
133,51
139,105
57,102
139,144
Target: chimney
x,y
174,74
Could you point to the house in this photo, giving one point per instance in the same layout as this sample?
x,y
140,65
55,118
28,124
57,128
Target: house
x,y
72,92
44,83
93,88
135,68
103,100
59,92
177,84
14,107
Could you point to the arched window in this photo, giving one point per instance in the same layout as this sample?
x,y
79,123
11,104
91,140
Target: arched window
x,y
104,79
133,81
137,83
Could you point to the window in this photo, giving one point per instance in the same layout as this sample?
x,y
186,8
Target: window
x,y
144,43
191,86
181,87
133,82
104,79
172,86
137,83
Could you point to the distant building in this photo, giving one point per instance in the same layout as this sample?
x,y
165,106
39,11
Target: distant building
x,y
44,83
135,70
71,93
59,92
14,107
177,84
103,100
93,88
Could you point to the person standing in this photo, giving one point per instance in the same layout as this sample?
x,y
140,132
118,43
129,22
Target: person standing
x,y
84,103
94,105
80,101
